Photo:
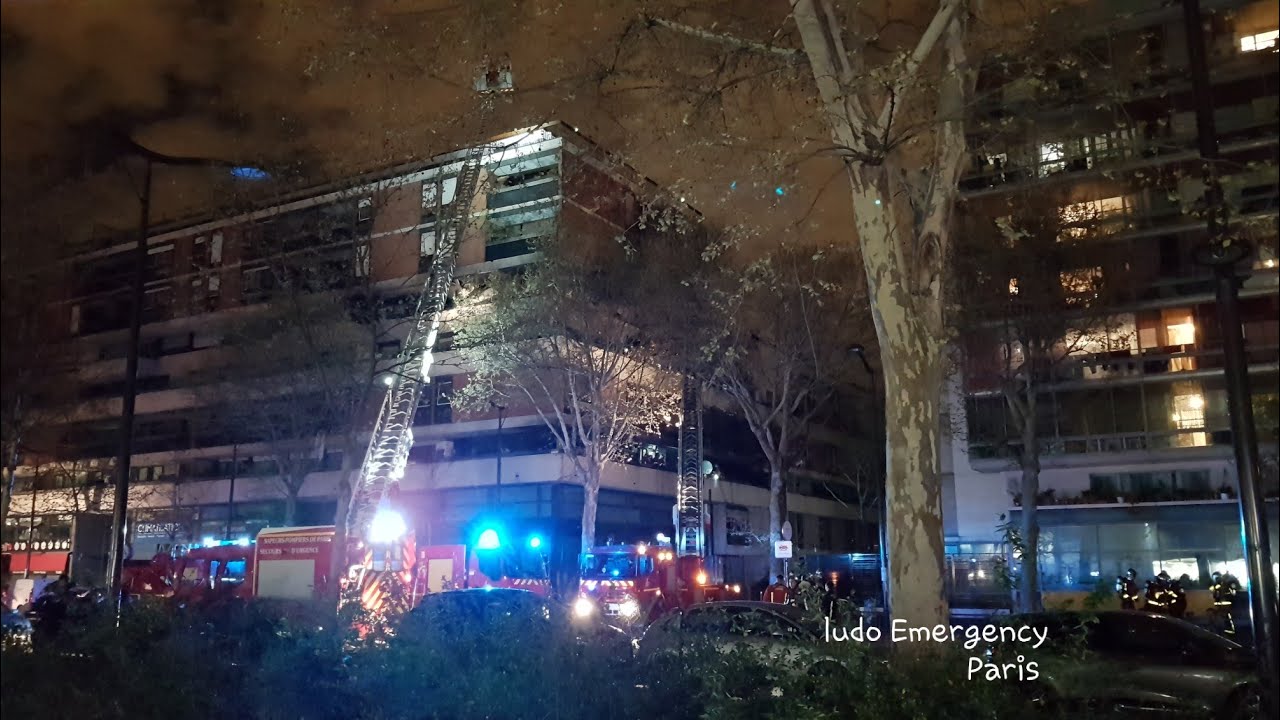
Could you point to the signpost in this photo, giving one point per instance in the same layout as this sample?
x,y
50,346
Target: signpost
x,y
782,549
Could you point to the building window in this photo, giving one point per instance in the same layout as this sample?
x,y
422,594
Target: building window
x,y
1188,414
1081,283
1051,158
434,404
432,195
1091,210
362,259
1259,41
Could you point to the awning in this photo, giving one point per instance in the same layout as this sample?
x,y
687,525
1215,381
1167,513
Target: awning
x,y
41,562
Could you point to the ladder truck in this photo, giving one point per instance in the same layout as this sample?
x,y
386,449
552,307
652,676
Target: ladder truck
x,y
636,584
384,552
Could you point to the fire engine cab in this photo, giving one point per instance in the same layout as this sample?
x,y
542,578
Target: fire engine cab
x,y
638,583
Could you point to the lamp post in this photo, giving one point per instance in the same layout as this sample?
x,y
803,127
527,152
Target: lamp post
x,y
881,449
124,456
498,470
1223,253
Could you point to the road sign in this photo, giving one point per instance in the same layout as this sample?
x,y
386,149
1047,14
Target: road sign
x,y
786,530
782,549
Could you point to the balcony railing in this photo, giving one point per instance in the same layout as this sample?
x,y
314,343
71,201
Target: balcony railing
x,y
1156,362
1025,163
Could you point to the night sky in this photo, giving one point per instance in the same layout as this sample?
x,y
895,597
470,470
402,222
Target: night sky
x,y
329,88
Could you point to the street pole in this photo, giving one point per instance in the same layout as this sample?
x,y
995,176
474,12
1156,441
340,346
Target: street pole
x,y
119,509
881,504
231,492
1222,253
31,528
498,469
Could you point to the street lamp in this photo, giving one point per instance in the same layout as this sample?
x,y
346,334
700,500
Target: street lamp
x,y
882,466
119,527
1222,253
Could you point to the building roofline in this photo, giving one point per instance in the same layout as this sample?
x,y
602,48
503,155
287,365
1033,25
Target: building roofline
x,y
371,181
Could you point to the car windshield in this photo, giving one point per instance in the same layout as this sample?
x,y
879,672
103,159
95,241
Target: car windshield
x,y
607,566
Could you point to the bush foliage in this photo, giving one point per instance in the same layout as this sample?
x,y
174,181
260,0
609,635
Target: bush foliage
x,y
258,662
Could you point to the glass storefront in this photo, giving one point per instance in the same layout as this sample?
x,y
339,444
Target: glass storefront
x,y
1081,546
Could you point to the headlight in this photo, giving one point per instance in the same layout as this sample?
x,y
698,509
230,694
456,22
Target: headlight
x,y
701,578
583,607
629,609
737,589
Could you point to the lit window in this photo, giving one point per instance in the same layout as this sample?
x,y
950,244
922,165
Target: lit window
x,y
1051,155
1259,41
1081,282
1094,209
1183,333
1188,414
1013,286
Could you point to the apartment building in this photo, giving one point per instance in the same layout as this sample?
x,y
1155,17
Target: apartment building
x,y
1138,468
192,484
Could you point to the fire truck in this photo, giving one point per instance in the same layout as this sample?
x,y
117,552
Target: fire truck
x,y
200,575
292,563
638,583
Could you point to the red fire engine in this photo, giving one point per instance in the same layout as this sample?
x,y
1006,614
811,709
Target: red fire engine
x,y
638,583
292,563
198,575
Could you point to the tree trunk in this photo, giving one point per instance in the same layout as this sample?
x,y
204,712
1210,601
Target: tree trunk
x,y
912,490
903,248
590,498
291,504
1029,600
777,513
338,560
10,480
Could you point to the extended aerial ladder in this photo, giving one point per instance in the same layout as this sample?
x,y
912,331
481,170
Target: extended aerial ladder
x,y
388,557
690,513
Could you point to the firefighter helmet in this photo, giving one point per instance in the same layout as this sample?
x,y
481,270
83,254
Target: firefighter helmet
x,y
1131,574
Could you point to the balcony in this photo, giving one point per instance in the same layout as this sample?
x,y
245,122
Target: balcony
x,y
1158,361
1159,496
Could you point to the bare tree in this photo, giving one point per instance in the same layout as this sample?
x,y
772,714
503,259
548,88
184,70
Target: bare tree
x,y
36,365
557,341
1033,288
303,366
789,321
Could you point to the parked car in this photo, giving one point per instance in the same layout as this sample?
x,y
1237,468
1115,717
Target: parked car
x,y
782,635
488,609
1140,664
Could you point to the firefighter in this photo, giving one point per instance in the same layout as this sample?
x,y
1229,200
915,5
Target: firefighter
x,y
777,592
1165,585
1127,588
1155,596
1224,588
1177,595
59,587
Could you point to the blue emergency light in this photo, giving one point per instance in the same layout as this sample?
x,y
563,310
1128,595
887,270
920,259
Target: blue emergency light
x,y
488,540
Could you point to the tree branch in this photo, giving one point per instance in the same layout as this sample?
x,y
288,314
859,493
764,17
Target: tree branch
x,y
793,55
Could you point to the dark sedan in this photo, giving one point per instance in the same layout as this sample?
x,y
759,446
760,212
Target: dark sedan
x,y
1142,665
493,609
